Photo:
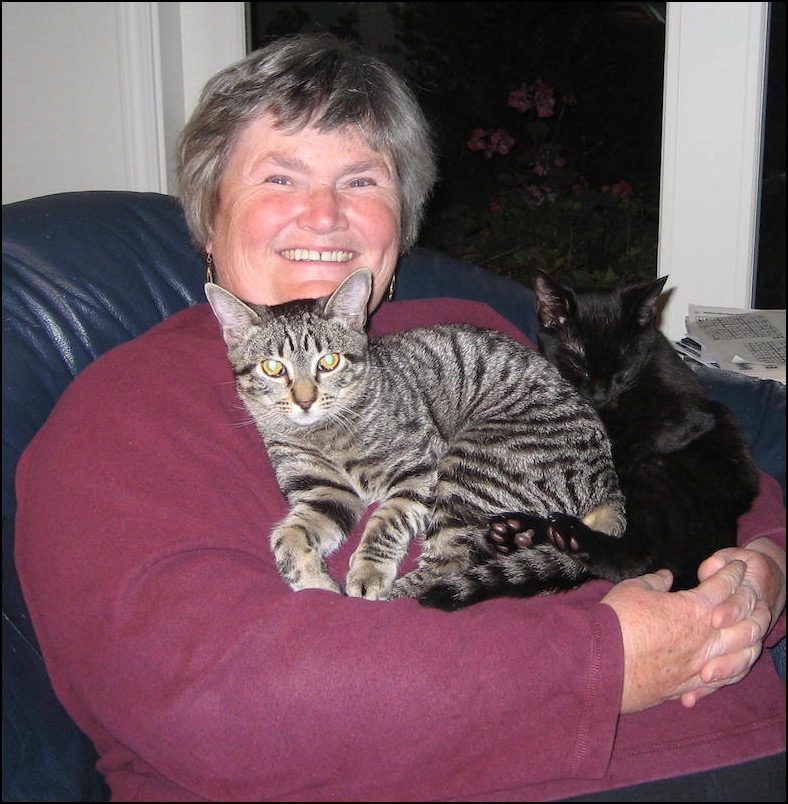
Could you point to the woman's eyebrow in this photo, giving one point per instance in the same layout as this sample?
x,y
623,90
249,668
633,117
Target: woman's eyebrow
x,y
375,163
282,160
291,162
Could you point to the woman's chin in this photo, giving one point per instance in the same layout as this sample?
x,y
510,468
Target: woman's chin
x,y
315,288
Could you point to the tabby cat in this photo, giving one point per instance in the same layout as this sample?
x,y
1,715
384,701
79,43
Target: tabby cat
x,y
682,461
441,426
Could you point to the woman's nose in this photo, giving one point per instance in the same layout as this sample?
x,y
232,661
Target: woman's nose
x,y
323,210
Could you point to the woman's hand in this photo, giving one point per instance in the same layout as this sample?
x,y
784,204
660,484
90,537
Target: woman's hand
x,y
762,590
685,645
764,582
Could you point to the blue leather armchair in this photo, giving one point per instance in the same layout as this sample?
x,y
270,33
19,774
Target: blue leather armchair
x,y
86,271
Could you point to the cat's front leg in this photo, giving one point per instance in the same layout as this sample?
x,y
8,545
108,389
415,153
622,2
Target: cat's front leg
x,y
370,578
373,571
374,564
300,543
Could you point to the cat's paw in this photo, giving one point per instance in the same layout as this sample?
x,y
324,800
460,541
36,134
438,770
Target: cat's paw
x,y
306,574
370,580
566,532
509,533
298,567
315,581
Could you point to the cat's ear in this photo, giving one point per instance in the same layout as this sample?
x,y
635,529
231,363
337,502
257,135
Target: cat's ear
x,y
646,298
553,302
233,315
349,301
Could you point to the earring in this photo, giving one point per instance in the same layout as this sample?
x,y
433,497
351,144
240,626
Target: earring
x,y
209,268
392,287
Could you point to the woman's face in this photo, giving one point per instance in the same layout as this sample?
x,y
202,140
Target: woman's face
x,y
299,212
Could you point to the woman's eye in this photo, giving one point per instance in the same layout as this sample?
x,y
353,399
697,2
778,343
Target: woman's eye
x,y
362,182
273,368
277,180
329,362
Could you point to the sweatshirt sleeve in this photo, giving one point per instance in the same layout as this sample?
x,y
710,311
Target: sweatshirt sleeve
x,y
766,517
145,504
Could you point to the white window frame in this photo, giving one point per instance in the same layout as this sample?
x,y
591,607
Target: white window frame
x,y
714,94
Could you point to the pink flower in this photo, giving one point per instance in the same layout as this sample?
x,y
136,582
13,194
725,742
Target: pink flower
x,y
538,95
621,189
478,140
491,142
519,99
495,205
501,141
544,98
537,196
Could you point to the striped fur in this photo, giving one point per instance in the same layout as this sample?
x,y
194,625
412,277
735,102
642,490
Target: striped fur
x,y
441,427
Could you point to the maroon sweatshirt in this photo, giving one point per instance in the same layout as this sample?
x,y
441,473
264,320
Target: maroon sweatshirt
x,y
145,504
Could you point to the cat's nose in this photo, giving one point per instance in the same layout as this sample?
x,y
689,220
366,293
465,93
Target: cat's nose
x,y
304,394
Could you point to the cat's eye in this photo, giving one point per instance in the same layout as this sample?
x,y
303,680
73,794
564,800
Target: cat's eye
x,y
329,362
273,368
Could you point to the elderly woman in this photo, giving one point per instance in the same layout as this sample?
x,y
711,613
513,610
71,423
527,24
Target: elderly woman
x,y
215,681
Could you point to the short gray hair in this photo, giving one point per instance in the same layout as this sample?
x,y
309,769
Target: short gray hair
x,y
313,79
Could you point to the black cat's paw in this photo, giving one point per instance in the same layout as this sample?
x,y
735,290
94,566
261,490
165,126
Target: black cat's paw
x,y
566,532
509,533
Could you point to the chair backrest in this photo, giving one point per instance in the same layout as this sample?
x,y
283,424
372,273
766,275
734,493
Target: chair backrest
x,y
82,273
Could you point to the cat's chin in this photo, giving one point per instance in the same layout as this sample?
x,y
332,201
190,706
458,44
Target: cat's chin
x,y
306,419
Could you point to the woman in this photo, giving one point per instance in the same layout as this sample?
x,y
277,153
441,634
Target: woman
x,y
214,680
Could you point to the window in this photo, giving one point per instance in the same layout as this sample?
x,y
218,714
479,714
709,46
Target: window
x,y
464,58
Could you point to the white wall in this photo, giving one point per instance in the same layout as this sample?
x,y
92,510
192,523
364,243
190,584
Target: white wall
x,y
62,120
94,95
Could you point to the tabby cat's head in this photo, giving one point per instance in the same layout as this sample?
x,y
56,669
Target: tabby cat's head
x,y
599,339
300,363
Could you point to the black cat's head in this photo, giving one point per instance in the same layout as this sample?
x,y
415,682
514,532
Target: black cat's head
x,y
602,339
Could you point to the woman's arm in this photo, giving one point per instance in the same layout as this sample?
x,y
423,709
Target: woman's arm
x,y
669,638
688,644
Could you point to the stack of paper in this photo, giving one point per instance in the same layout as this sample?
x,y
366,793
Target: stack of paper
x,y
747,341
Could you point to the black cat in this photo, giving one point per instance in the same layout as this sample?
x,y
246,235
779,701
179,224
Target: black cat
x,y
682,461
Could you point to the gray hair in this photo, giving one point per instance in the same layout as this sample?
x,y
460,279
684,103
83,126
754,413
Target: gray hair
x,y
314,79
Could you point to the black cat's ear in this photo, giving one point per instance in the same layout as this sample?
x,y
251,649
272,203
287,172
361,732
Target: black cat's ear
x,y
553,302
646,298
233,315
349,301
